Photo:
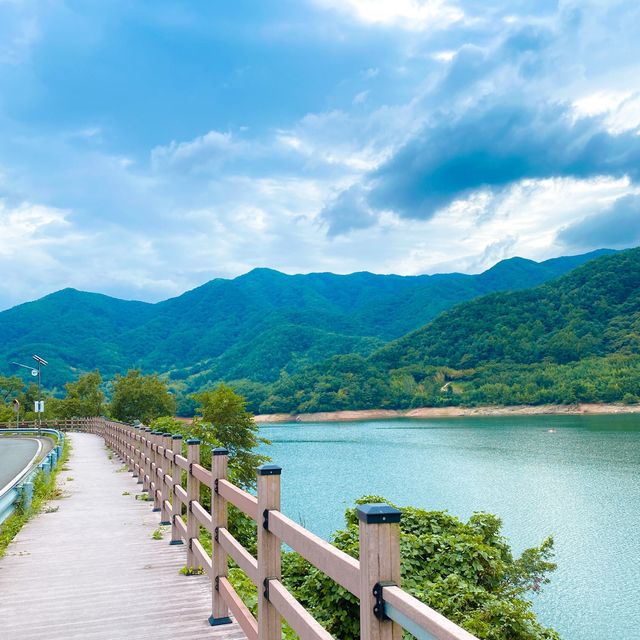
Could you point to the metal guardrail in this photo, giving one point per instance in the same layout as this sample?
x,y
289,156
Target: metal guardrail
x,y
22,488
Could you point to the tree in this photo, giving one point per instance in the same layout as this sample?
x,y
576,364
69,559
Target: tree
x,y
225,419
10,387
84,397
138,397
464,570
224,422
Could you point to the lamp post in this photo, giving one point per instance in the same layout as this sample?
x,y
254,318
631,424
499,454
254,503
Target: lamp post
x,y
36,372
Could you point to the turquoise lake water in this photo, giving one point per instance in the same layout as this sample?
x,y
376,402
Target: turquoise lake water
x,y
580,483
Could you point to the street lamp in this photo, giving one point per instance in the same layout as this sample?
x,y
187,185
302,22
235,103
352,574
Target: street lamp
x,y
36,372
41,363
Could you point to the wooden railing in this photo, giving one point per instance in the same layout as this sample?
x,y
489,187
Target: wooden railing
x,y
91,425
157,460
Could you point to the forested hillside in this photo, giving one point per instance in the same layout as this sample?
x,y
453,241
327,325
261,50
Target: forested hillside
x,y
574,339
253,327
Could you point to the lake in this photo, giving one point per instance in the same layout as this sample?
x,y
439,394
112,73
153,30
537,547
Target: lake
x,y
579,482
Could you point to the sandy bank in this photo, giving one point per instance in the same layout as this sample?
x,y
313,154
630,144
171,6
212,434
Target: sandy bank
x,y
450,412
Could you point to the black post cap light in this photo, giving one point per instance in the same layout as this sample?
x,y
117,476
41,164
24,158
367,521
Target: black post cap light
x,y
378,513
269,470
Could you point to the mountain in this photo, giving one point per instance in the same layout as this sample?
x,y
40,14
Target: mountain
x,y
574,339
253,327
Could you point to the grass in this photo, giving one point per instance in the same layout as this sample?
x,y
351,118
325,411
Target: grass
x,y
126,493
192,571
157,534
43,490
145,497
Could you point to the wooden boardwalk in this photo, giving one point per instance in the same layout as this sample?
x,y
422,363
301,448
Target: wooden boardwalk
x,y
91,570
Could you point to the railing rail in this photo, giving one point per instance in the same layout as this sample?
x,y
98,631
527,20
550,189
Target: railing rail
x,y
156,459
91,425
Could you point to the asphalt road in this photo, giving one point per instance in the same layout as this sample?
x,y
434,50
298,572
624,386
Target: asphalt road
x,y
15,454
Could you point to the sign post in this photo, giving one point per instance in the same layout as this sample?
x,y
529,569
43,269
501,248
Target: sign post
x,y
16,409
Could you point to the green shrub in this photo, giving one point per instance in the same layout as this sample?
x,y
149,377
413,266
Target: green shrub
x,y
464,570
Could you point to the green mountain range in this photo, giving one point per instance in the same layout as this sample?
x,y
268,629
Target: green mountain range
x,y
254,327
574,339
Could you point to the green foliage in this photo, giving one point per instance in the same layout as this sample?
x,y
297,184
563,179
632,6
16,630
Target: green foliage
x,y
138,397
10,388
191,571
464,570
6,413
224,422
84,398
249,594
573,340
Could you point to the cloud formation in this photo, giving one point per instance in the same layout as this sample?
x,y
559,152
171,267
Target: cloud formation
x,y
617,228
494,146
147,148
415,15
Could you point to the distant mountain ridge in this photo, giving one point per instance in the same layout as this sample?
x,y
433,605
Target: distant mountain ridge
x,y
253,327
573,339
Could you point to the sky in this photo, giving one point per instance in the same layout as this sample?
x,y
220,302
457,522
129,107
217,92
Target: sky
x,y
148,146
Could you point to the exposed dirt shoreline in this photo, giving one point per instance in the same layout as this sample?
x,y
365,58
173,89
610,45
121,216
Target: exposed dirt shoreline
x,y
450,412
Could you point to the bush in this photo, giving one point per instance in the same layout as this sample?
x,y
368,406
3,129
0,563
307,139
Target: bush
x,y
464,570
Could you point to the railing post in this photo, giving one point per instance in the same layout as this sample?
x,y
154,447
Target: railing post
x,y
176,476
219,563
27,495
155,458
146,461
129,446
165,516
193,494
269,622
379,563
137,452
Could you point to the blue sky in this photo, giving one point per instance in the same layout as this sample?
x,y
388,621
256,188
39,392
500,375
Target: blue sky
x,y
147,147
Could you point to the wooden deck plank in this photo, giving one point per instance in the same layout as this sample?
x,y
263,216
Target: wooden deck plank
x,y
91,570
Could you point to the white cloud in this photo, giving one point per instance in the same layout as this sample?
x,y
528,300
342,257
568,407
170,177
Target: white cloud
x,y
27,227
415,15
212,148
361,97
621,109
444,56
471,235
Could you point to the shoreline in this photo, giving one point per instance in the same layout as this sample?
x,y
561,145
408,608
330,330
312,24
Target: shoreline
x,y
450,412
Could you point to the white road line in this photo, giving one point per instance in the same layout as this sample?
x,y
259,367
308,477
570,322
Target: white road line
x,y
24,471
